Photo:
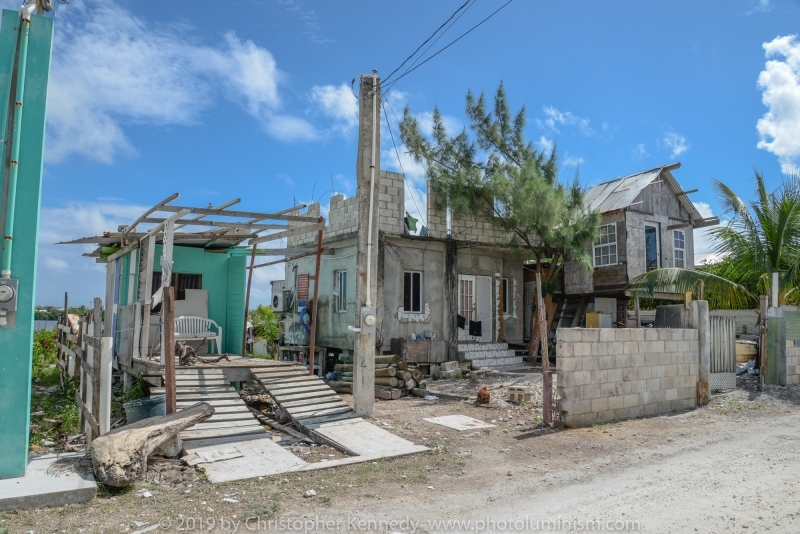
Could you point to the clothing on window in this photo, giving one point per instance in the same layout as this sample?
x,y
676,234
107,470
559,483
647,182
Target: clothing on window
x,y
462,322
475,328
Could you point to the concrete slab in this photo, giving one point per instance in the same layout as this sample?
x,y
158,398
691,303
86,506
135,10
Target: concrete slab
x,y
67,485
458,422
367,440
260,456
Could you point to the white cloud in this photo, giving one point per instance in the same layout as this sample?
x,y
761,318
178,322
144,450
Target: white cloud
x,y
676,143
573,161
780,83
545,145
555,118
763,6
62,267
702,238
112,69
337,103
639,152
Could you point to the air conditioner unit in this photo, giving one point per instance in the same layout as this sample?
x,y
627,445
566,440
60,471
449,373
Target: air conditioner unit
x,y
278,295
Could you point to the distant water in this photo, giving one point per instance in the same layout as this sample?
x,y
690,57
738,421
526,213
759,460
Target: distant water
x,y
44,325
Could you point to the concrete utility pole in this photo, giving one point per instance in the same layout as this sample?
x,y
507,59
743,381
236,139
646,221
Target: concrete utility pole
x,y
367,189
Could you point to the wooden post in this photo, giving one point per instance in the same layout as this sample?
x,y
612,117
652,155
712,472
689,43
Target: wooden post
x,y
547,378
169,348
315,306
60,338
762,346
247,299
97,333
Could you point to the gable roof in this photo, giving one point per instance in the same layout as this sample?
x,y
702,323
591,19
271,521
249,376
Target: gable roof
x,y
622,192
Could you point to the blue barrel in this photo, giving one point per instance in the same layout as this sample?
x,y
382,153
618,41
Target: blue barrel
x,y
143,408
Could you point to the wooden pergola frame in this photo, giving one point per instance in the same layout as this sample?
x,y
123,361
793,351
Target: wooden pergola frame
x,y
172,223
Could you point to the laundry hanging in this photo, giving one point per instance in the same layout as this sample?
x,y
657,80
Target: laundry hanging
x,y
462,322
475,329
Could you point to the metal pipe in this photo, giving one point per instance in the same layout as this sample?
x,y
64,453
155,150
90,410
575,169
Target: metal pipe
x,y
372,181
25,29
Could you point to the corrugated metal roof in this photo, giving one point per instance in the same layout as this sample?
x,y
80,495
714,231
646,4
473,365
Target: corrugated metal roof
x,y
622,192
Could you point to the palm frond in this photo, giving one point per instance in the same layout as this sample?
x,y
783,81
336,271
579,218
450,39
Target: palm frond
x,y
720,292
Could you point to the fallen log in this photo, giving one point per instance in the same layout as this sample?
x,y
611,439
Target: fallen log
x,y
410,384
389,371
386,381
119,457
416,374
386,358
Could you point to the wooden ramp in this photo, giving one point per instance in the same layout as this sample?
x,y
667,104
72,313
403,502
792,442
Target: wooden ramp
x,y
231,416
306,399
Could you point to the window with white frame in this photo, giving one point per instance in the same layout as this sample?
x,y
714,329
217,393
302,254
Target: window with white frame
x,y
412,291
504,293
679,240
605,246
340,290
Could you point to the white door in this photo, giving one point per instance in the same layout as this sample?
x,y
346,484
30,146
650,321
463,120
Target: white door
x,y
466,304
484,307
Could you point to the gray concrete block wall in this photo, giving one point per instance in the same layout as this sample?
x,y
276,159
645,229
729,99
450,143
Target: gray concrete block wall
x,y
313,210
611,374
792,363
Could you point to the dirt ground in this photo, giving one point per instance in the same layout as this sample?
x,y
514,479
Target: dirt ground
x,y
733,465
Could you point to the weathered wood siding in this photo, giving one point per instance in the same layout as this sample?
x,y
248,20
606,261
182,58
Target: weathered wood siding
x,y
613,277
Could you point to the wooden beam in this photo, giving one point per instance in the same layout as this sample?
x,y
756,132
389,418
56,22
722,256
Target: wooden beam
x,y
124,250
287,251
315,307
129,229
169,349
689,192
309,228
246,214
326,252
223,224
221,206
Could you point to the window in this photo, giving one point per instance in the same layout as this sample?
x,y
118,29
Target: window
x,y
412,292
504,294
679,238
605,246
340,290
180,281
652,248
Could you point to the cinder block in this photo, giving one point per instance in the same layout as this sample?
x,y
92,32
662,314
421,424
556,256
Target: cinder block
x,y
582,406
569,364
651,409
643,372
650,334
631,399
608,334
581,378
623,334
600,349
519,394
614,375
606,362
664,406
616,402
630,347
591,335
638,360
582,349
589,363
672,394
599,405
608,389
568,334
624,361
670,346
564,350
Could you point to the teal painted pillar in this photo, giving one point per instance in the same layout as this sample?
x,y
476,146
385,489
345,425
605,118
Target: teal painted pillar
x,y
16,342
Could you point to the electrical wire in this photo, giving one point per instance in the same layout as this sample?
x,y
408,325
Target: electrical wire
x,y
428,39
439,37
454,41
397,152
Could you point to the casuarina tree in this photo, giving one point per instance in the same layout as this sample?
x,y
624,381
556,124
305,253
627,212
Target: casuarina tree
x,y
491,171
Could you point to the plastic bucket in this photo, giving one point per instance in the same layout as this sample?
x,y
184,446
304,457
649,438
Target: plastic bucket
x,y
144,408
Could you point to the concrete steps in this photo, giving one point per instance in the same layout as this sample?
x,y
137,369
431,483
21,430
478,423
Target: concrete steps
x,y
488,354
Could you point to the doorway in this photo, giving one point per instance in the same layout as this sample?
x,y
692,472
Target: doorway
x,y
652,252
475,304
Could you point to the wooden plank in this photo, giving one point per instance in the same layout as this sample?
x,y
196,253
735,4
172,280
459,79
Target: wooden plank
x,y
243,214
216,403
306,402
235,416
208,424
306,395
316,421
277,371
169,334
289,380
296,389
92,341
288,233
130,228
319,410
220,433
97,322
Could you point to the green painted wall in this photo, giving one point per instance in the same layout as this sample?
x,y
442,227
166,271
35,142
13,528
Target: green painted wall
x,y
16,343
224,279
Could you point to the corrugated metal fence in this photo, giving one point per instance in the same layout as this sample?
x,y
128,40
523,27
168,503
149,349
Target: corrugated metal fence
x,y
723,344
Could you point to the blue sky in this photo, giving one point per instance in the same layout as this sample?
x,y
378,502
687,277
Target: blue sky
x,y
252,99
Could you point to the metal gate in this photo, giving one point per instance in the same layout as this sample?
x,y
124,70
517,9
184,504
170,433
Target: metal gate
x,y
723,352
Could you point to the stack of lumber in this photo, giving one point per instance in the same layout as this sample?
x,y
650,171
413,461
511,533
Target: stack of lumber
x,y
390,374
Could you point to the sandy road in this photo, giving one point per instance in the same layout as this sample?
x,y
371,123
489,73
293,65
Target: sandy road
x,y
721,478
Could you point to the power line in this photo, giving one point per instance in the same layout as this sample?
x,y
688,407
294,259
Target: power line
x,y
428,39
397,152
440,36
385,90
